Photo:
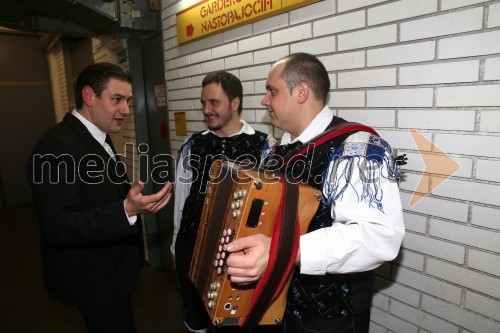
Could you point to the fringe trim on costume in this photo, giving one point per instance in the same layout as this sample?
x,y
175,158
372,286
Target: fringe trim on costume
x,y
369,168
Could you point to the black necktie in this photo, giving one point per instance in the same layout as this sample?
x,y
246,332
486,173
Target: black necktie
x,y
120,168
110,144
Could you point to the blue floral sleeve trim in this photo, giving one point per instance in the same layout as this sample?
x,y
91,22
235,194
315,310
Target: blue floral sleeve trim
x,y
266,149
367,158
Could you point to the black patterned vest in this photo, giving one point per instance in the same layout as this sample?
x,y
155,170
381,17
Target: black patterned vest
x,y
204,149
330,295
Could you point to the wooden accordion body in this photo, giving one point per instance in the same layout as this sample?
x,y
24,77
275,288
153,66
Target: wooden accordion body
x,y
240,202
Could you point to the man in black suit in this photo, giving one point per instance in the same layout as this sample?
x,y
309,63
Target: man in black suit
x,y
91,242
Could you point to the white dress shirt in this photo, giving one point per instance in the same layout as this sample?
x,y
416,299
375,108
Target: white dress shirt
x,y
100,136
362,236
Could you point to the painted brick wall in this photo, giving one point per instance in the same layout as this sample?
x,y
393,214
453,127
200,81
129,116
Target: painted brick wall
x,y
428,65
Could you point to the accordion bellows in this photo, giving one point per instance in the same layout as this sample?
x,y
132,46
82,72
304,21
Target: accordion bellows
x,y
242,201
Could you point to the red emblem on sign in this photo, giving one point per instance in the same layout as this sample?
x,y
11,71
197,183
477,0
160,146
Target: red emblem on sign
x,y
189,30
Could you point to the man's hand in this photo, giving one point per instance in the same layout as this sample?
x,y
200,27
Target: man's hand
x,y
136,203
248,259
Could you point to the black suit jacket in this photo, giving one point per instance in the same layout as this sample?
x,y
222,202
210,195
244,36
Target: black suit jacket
x,y
90,253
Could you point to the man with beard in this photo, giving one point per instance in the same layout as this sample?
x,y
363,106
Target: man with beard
x,y
359,222
227,136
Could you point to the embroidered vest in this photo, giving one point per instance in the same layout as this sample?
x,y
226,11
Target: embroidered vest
x,y
330,295
204,149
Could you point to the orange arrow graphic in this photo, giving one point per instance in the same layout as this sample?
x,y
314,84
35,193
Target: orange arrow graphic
x,y
439,166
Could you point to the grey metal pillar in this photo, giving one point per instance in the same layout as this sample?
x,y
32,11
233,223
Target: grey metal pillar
x,y
151,125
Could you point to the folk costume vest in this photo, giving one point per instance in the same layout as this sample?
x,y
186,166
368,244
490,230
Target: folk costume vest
x,y
204,149
330,295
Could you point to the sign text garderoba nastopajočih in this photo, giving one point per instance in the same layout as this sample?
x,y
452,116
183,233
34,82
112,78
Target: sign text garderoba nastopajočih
x,y
212,16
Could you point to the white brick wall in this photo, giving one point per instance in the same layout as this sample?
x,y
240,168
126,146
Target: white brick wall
x,y
468,320
482,304
480,95
425,320
339,23
368,37
435,287
450,4
401,54
483,261
414,97
492,69
451,72
482,43
462,120
486,217
370,78
494,16
442,25
400,10
429,65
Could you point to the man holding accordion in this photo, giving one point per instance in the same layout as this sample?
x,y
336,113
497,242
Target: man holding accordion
x,y
359,223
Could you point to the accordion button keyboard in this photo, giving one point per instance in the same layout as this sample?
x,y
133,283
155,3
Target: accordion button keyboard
x,y
221,254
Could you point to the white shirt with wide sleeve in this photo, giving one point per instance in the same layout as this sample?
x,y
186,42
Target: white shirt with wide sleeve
x,y
362,236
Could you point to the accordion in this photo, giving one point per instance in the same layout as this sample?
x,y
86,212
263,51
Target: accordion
x,y
242,201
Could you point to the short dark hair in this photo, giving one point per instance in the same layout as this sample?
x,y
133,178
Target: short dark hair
x,y
97,76
230,84
305,67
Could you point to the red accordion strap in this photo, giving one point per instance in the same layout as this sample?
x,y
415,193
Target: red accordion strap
x,y
331,133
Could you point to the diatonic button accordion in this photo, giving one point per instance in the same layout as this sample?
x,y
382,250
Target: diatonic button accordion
x,y
242,201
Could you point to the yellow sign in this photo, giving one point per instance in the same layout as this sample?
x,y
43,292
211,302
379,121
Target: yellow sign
x,y
180,123
211,16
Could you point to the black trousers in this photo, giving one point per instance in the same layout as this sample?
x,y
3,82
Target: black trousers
x,y
356,324
112,318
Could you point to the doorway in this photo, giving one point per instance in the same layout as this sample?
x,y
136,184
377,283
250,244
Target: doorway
x,y
153,145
